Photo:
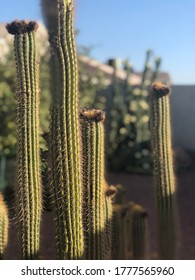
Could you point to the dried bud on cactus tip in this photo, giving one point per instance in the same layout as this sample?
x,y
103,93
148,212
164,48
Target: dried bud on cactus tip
x,y
21,27
111,191
160,89
96,115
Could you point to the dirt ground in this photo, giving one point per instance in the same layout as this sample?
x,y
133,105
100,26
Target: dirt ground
x,y
139,188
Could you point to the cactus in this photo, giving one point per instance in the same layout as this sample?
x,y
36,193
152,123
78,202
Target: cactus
x,y
128,110
64,131
110,195
28,184
138,232
120,194
93,181
3,226
164,179
119,237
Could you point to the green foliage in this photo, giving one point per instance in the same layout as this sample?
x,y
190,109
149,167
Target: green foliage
x,y
2,172
91,86
7,126
128,120
163,170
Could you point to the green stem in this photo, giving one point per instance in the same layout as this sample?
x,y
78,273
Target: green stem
x,y
28,185
93,181
64,132
164,178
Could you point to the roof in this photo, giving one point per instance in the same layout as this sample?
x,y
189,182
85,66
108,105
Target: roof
x,y
164,77
93,66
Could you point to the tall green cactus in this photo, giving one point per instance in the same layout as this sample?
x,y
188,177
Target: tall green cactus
x,y
28,183
164,178
93,181
3,226
64,130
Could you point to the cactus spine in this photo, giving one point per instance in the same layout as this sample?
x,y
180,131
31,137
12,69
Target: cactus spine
x,y
28,185
164,179
3,226
93,181
64,131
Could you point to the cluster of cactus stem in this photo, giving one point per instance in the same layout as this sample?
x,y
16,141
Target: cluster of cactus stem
x,y
90,222
130,231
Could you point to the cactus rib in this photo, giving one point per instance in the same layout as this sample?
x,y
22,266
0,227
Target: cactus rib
x,y
64,131
93,181
28,185
164,178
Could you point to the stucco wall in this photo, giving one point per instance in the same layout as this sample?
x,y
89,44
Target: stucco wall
x,y
183,116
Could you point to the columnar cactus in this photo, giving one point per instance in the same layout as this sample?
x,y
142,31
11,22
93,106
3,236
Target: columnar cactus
x,y
110,195
93,181
28,184
3,226
119,237
138,232
164,178
64,130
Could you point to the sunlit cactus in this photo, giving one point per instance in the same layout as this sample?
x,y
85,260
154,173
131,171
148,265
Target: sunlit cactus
x,y
92,130
164,178
28,182
64,130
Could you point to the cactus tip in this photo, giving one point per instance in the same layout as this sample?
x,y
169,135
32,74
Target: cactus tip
x,y
92,115
111,191
21,27
160,89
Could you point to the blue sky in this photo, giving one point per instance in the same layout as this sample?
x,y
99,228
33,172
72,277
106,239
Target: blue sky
x,y
126,29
